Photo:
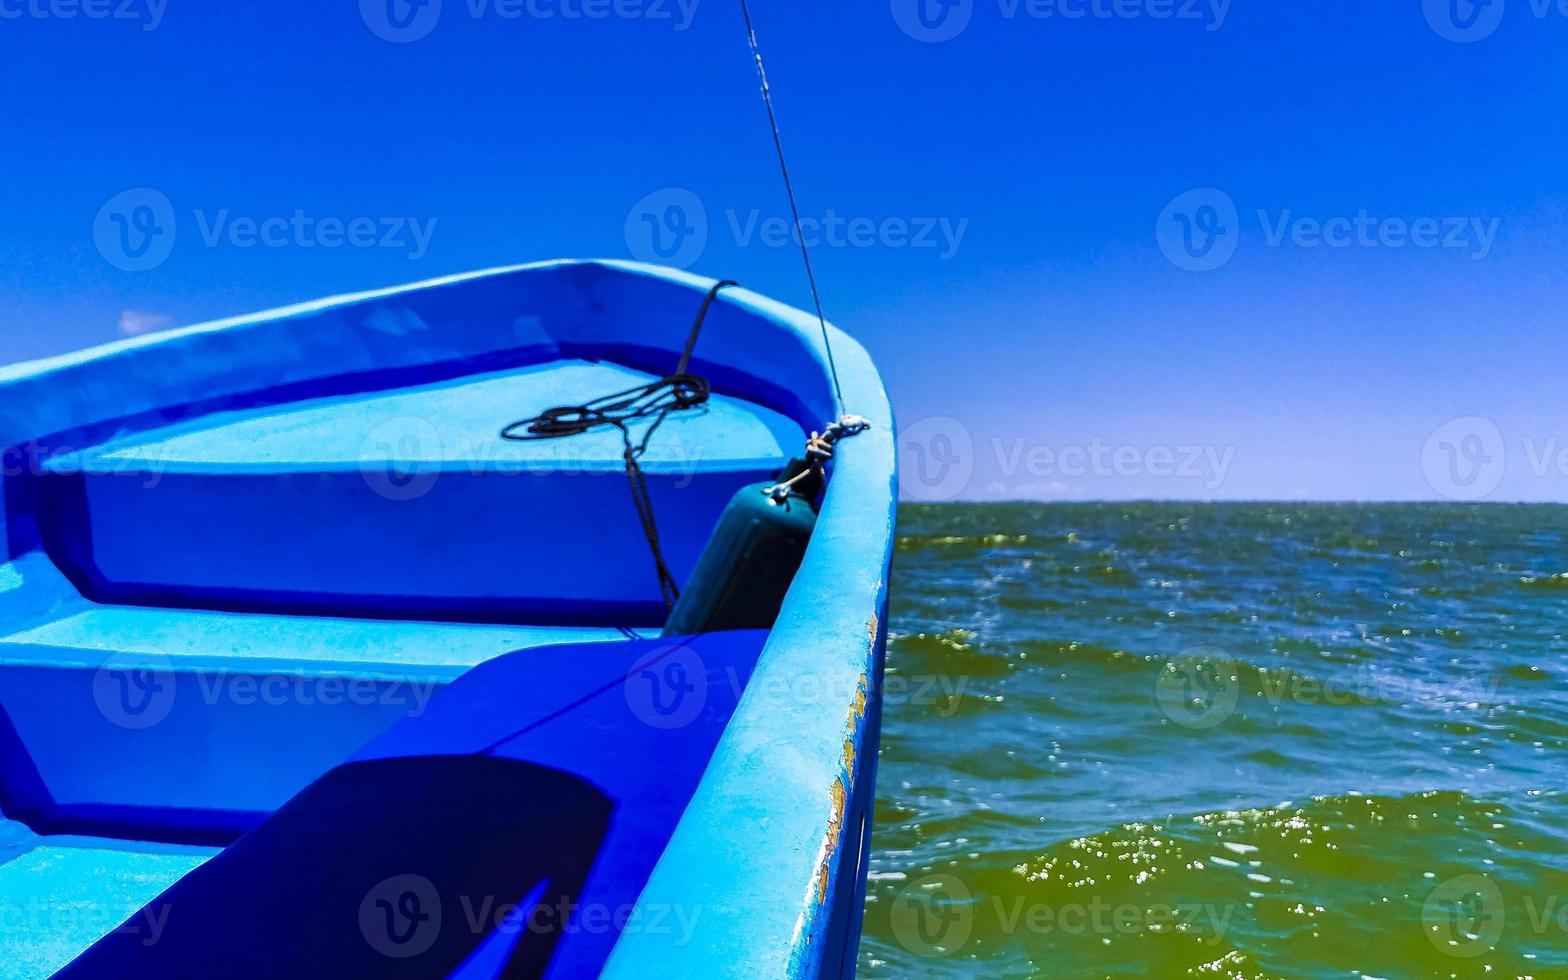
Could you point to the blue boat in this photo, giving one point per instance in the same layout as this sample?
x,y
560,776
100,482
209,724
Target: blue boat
x,y
522,623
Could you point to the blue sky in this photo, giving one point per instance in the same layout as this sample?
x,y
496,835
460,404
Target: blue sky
x,y
1100,248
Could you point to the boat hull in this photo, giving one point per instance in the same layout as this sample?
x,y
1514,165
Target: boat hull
x,y
312,499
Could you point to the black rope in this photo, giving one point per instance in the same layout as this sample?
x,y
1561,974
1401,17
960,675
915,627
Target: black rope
x,y
789,188
654,400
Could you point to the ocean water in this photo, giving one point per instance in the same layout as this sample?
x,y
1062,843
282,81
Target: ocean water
x,y
1256,740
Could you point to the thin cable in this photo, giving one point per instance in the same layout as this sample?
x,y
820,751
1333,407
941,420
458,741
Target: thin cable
x,y
789,188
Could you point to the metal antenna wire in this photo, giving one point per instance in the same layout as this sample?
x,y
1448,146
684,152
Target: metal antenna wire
x,y
789,188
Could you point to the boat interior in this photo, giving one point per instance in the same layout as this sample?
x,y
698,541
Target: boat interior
x,y
336,614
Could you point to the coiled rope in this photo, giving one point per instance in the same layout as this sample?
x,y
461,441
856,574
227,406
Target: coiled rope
x,y
653,401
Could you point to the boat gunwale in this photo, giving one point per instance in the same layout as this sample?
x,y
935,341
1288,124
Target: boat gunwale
x,y
769,849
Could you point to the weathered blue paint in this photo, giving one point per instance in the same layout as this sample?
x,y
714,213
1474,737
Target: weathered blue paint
x,y
60,894
771,846
374,482
269,552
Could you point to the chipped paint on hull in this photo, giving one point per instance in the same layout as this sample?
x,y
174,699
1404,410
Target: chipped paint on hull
x,y
835,831
841,791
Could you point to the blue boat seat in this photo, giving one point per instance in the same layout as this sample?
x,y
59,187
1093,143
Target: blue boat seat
x,y
191,725
403,502
58,895
508,830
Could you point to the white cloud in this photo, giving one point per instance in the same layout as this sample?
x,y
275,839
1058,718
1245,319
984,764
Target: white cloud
x,y
1051,490
134,323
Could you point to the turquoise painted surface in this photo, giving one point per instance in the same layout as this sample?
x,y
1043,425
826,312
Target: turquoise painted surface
x,y
189,639
772,863
1233,741
59,895
451,423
